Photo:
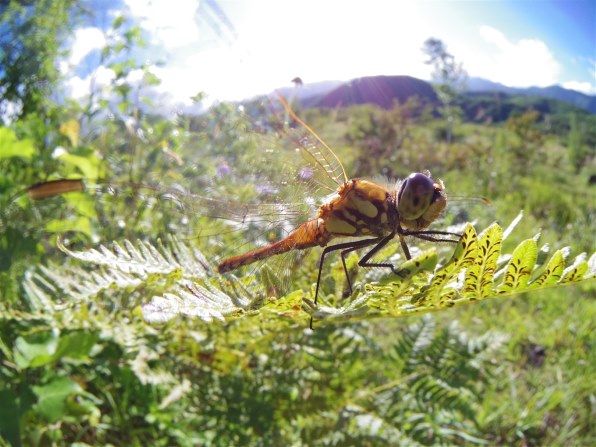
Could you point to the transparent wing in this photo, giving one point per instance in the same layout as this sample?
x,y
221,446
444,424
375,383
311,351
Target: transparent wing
x,y
243,170
255,167
326,166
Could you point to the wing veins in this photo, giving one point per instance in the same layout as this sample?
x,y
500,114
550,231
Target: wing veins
x,y
330,172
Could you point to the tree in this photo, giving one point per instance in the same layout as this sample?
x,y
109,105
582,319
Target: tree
x,y
449,75
32,34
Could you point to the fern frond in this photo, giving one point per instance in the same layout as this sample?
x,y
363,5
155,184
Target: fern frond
x,y
415,339
470,275
192,300
446,381
181,281
178,276
141,260
482,271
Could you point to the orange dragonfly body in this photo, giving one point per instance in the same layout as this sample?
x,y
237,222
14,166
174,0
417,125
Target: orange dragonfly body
x,y
361,208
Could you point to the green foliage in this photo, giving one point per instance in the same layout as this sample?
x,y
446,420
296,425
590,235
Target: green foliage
x,y
430,394
183,282
489,107
31,36
383,137
238,393
450,78
581,140
10,147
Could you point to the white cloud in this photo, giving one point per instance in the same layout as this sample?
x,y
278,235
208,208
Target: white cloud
x,y
276,42
85,40
584,87
170,23
80,88
252,49
521,63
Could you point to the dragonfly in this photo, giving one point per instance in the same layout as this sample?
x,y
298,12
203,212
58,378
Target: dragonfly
x,y
353,214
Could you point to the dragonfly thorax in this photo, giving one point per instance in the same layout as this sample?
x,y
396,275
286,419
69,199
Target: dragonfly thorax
x,y
364,208
360,208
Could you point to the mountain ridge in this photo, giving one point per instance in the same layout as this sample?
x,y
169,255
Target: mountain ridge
x,y
383,90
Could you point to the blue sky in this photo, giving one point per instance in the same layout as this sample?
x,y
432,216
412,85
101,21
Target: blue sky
x,y
232,49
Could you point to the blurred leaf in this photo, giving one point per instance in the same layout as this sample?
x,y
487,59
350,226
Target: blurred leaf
x,y
122,68
52,398
133,36
9,418
71,129
118,22
35,350
76,346
43,348
151,79
10,146
88,165
83,203
81,224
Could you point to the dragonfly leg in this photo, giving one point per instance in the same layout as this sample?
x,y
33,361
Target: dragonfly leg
x,y
404,247
346,248
433,236
364,261
354,247
430,235
343,254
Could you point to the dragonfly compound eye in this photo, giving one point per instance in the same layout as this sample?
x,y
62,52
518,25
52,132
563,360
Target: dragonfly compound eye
x,y
415,196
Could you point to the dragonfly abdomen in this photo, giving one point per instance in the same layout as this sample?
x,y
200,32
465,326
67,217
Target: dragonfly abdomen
x,y
309,234
360,208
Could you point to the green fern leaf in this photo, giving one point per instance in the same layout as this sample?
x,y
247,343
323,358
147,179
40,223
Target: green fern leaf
x,y
576,271
410,350
480,274
512,225
409,274
552,273
142,259
440,291
591,273
425,261
178,277
468,276
519,269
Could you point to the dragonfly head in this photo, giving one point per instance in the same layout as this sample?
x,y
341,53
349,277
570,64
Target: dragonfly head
x,y
420,200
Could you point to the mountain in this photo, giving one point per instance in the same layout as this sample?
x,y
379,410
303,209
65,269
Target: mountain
x,y
484,101
379,90
578,99
492,106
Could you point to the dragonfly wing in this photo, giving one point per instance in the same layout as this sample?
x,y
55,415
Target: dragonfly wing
x,y
240,165
327,169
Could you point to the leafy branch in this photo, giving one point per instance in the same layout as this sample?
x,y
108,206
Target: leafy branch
x,y
182,282
477,271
